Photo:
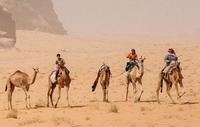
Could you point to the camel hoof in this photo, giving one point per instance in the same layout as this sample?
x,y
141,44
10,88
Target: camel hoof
x,y
55,106
107,101
179,102
181,94
47,105
173,102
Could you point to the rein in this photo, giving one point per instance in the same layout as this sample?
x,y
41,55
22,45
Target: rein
x,y
118,74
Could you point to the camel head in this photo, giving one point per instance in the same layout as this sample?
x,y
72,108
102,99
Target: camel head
x,y
36,70
141,59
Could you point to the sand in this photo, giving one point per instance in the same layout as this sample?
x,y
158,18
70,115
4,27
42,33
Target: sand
x,y
84,55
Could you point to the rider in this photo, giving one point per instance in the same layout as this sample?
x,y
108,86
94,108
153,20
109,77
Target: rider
x,y
60,62
170,60
132,59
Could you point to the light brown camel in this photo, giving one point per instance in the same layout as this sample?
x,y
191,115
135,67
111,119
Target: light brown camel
x,y
63,80
174,77
21,80
134,76
104,75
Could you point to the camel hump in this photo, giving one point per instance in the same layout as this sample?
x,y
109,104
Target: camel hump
x,y
18,71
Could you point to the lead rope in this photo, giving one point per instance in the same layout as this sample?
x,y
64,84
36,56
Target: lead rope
x,y
43,73
118,74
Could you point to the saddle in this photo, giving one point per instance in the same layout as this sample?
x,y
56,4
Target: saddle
x,y
169,72
59,72
130,66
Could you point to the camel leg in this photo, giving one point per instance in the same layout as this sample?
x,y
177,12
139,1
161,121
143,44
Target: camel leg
x,y
50,90
29,100
9,100
107,93
127,86
68,96
51,94
177,92
134,91
59,93
48,95
26,96
10,89
168,92
140,82
103,89
182,88
157,92
104,94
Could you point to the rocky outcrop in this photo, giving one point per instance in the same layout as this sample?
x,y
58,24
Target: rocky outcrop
x,y
34,15
7,29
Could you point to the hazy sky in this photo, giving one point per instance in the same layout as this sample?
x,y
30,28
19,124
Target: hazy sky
x,y
129,16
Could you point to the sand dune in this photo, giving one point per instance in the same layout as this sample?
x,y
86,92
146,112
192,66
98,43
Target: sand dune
x,y
84,55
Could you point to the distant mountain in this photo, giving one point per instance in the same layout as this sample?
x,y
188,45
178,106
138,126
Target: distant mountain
x,y
7,29
36,15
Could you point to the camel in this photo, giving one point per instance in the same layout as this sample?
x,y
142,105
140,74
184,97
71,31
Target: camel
x,y
63,80
175,77
133,76
104,75
21,80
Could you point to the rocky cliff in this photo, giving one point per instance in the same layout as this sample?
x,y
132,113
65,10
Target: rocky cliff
x,y
34,15
7,29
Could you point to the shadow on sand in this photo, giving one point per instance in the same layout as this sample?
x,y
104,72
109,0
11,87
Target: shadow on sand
x,y
190,103
74,106
147,101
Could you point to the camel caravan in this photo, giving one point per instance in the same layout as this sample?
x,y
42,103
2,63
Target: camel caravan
x,y
60,77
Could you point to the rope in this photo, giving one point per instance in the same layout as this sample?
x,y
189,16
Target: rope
x,y
42,73
118,74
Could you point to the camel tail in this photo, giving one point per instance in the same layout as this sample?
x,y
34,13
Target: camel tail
x,y
8,83
6,88
95,84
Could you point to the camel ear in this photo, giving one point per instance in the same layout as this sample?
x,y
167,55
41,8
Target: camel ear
x,y
35,68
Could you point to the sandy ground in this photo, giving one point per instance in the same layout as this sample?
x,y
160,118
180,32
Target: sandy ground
x,y
84,55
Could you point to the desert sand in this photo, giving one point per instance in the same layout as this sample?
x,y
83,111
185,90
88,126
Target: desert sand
x,y
84,55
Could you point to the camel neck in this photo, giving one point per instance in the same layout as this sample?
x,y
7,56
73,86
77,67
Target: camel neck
x,y
33,78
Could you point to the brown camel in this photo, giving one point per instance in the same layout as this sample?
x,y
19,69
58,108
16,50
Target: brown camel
x,y
63,80
174,77
22,80
104,75
134,76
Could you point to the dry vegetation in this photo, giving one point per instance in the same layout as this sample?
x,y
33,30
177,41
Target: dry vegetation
x,y
12,114
114,109
30,121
